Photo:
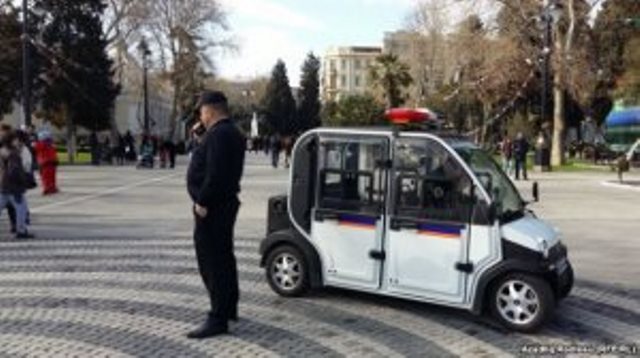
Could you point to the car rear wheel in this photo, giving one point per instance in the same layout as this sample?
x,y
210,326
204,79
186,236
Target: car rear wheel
x,y
522,302
287,271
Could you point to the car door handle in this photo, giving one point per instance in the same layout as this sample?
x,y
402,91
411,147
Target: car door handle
x,y
377,255
401,224
326,215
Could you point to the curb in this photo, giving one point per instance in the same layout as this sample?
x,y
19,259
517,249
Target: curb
x,y
620,186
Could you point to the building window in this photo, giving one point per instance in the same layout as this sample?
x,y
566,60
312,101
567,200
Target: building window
x,y
343,81
332,65
358,64
344,64
357,81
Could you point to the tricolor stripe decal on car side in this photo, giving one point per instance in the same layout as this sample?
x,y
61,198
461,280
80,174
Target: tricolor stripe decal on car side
x,y
357,221
441,231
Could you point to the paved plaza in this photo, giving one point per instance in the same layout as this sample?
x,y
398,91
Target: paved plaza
x,y
112,274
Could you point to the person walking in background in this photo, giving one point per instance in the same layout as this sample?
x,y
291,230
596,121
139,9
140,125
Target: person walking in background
x,y
47,162
213,183
120,150
13,183
288,147
22,144
506,148
520,151
147,154
163,155
5,131
275,147
130,147
107,150
171,151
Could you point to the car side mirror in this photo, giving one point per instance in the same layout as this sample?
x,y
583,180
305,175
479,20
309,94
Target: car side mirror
x,y
535,192
493,211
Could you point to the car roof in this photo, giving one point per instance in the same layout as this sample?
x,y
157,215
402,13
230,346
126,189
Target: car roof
x,y
448,136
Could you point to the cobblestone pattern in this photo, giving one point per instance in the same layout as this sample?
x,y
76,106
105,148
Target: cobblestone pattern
x,y
127,298
111,296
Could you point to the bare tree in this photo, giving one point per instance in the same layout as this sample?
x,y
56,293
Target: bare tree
x,y
572,61
572,68
123,18
186,33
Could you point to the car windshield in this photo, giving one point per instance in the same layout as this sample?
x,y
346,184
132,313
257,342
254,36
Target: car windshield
x,y
494,180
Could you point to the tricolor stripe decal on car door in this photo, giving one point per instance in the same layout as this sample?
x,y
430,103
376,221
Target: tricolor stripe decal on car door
x,y
441,231
357,221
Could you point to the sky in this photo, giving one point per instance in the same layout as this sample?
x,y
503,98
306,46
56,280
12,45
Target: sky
x,y
266,30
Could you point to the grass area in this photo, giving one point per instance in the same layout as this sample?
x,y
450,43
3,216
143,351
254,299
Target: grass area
x,y
571,165
81,158
576,165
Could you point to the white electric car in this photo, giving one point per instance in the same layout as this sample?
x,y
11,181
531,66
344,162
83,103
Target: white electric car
x,y
413,215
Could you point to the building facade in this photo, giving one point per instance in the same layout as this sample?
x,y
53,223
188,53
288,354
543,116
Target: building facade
x,y
129,105
345,71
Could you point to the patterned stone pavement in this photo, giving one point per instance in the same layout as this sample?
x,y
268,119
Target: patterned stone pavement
x,y
112,274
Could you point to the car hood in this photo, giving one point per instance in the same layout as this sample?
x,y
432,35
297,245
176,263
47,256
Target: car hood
x,y
531,233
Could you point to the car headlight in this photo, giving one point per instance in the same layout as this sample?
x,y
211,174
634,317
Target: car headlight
x,y
544,248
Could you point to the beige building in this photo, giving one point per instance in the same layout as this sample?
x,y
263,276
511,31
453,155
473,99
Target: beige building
x,y
345,71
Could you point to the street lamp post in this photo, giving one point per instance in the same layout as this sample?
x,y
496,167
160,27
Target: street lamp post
x,y
550,15
26,66
145,53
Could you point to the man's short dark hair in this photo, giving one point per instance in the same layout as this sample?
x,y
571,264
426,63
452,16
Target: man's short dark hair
x,y
215,99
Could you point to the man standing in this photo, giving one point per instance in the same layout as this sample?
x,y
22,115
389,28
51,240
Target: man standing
x,y
520,150
213,181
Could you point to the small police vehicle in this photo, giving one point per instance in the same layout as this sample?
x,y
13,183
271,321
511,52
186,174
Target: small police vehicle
x,y
413,215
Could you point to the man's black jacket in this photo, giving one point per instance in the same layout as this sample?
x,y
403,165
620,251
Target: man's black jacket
x,y
217,165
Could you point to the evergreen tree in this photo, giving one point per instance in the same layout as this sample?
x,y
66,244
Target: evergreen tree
x,y
10,57
309,110
78,73
278,103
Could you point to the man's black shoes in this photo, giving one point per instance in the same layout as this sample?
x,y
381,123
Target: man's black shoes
x,y
24,236
211,328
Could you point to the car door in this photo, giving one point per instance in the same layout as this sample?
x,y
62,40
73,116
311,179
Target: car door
x,y
348,221
426,244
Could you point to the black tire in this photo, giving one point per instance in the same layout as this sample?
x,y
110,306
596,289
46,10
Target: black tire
x,y
293,280
515,313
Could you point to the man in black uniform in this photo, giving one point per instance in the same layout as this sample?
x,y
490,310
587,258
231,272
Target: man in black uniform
x,y
213,182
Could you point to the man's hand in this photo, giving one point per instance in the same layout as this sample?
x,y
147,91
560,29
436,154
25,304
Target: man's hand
x,y
201,211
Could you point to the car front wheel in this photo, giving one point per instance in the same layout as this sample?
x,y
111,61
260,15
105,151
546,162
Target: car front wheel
x,y
287,271
522,302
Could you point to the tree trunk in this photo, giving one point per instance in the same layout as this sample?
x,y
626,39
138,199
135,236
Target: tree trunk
x,y
71,138
486,107
173,119
557,149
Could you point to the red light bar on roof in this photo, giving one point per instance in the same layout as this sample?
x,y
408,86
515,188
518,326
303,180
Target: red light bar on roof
x,y
409,115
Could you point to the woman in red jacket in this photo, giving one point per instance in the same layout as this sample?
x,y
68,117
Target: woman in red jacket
x,y
48,163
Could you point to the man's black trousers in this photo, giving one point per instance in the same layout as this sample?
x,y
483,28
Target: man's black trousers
x,y
521,166
216,261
